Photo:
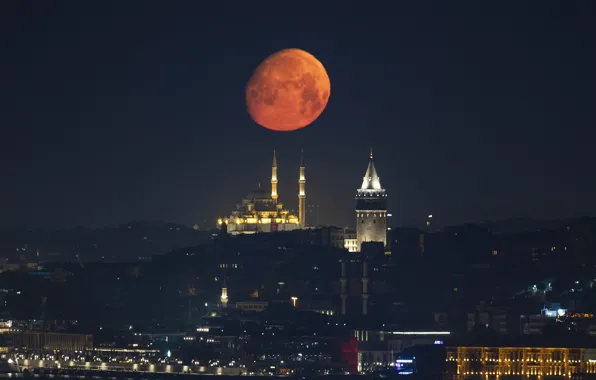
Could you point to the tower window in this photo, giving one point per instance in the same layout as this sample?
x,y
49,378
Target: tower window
x,y
362,221
374,221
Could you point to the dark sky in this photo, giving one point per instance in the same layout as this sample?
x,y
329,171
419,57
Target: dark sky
x,y
114,111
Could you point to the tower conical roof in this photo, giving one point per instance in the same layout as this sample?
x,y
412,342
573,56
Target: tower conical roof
x,y
371,180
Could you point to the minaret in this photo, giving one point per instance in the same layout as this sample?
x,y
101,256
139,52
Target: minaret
x,y
274,178
364,287
371,208
224,295
302,193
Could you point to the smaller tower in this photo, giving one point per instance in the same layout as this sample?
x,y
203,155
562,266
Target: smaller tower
x,y
224,295
344,287
223,230
274,178
302,193
364,287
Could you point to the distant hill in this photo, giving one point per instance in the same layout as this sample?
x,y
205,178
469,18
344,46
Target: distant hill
x,y
522,225
127,242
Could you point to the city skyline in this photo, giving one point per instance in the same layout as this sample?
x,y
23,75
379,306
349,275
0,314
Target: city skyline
x,y
474,112
346,189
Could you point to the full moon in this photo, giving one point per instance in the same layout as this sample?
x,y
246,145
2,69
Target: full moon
x,y
288,90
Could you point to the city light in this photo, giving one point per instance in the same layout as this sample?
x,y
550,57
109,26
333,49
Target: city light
x,y
420,333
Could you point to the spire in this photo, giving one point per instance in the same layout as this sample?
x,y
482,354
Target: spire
x,y
301,158
274,178
371,180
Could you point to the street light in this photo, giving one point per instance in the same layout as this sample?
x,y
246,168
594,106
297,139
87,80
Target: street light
x,y
294,299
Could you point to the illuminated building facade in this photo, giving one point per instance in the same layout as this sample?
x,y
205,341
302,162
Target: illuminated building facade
x,y
261,211
379,348
351,240
525,362
37,341
371,208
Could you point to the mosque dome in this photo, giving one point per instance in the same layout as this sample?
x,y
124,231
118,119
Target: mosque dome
x,y
258,194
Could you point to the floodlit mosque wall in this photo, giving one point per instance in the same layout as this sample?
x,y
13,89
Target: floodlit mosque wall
x,y
261,225
521,362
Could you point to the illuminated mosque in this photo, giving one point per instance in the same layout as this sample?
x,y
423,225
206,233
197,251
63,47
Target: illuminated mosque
x,y
260,211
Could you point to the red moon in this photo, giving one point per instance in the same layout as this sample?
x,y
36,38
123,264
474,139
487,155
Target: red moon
x,y
288,90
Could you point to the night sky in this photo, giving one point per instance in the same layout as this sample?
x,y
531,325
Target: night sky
x,y
114,111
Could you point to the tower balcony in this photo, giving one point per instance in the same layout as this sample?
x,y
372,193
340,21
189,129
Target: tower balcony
x,y
370,193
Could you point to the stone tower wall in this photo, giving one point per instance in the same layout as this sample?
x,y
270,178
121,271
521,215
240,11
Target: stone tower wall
x,y
371,226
